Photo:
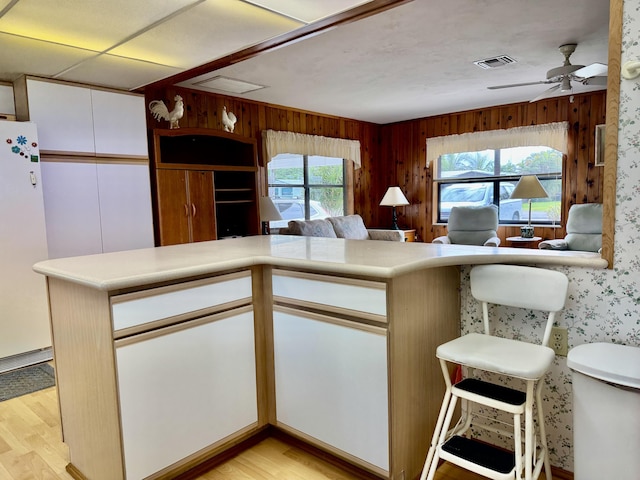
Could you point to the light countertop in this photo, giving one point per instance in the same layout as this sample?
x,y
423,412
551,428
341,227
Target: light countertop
x,y
111,271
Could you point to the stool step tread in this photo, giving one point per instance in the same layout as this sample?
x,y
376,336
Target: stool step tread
x,y
481,454
493,391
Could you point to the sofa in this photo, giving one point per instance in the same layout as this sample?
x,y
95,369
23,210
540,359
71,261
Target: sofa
x,y
349,227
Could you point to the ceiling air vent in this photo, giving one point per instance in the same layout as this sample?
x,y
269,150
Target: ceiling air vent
x,y
494,62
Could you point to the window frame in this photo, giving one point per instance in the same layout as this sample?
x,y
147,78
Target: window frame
x,y
496,179
307,186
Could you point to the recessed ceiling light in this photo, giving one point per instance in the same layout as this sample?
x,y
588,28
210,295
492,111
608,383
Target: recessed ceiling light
x,y
229,85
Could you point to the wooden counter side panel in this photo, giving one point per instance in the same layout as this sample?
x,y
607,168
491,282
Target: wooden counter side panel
x,y
84,359
424,311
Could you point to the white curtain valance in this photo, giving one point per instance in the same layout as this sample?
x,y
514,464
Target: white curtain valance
x,y
552,135
274,143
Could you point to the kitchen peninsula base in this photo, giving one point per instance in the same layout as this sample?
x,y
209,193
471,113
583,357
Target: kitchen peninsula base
x,y
168,357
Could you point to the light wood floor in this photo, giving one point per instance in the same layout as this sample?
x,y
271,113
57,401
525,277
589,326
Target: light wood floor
x,y
31,449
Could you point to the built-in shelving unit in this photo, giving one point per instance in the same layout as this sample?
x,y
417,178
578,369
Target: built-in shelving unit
x,y
217,202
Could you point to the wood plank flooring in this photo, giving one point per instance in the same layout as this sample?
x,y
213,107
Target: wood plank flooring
x,y
31,449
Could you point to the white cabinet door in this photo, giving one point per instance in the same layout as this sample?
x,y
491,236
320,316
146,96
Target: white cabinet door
x,y
124,194
331,384
184,390
72,210
119,123
64,116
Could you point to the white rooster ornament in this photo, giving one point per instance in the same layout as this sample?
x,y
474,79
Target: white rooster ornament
x,y
161,112
228,120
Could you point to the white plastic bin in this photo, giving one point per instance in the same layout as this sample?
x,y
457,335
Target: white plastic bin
x,y
606,411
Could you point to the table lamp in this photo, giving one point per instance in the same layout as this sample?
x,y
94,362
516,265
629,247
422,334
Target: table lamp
x,y
394,198
268,213
528,187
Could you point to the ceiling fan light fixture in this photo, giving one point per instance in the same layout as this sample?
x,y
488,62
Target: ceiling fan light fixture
x,y
565,84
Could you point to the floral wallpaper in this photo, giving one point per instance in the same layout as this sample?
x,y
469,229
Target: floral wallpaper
x,y
603,305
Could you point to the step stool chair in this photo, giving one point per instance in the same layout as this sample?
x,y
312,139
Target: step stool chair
x,y
514,286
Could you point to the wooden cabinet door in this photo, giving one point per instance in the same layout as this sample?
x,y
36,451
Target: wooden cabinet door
x,y
202,210
173,207
184,388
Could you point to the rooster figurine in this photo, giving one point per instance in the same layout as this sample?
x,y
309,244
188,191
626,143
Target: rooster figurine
x,y
228,120
160,111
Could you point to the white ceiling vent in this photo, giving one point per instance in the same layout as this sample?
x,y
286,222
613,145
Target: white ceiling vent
x,y
494,62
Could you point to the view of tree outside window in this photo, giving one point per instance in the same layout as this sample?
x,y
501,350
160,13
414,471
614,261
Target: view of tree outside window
x,y
489,176
306,187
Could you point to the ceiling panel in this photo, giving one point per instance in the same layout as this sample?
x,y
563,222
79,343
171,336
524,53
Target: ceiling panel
x,y
208,31
308,10
19,56
117,72
92,24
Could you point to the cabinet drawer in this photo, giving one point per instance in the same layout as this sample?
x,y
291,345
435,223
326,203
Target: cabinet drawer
x,y
335,294
177,302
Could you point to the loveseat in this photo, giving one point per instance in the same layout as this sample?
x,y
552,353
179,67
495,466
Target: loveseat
x,y
349,226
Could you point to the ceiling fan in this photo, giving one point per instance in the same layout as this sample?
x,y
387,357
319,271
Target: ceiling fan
x,y
594,74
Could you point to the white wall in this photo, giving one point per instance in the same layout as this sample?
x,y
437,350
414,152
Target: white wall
x,y
603,305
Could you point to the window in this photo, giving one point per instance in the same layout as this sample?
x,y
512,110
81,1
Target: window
x,y
489,177
306,187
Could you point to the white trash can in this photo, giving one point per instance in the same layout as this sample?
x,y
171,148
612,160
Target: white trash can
x,y
606,411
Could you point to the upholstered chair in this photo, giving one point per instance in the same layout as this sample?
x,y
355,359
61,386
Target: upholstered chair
x,y
584,230
472,226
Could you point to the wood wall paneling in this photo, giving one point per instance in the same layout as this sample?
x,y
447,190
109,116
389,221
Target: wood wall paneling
x,y
395,154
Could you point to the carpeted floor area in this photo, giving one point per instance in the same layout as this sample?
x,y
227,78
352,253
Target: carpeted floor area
x,y
26,380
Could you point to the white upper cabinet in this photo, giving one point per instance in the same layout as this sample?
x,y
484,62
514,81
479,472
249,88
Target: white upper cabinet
x,y
119,123
63,115
84,121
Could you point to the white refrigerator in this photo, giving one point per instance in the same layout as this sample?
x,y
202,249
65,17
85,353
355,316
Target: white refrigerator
x,y
24,318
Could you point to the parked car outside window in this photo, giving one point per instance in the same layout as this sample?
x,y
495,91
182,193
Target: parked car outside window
x,y
293,209
477,195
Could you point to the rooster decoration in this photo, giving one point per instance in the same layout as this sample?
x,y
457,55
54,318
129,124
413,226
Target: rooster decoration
x,y
161,112
228,120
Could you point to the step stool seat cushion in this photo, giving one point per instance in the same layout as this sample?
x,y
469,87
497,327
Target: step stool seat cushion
x,y
497,354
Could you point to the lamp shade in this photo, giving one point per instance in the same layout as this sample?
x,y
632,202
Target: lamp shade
x,y
529,187
394,197
268,210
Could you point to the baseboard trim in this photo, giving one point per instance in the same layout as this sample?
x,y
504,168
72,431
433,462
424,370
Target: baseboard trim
x,y
25,359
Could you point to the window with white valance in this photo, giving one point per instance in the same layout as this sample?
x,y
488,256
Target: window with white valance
x,y
552,135
483,168
277,142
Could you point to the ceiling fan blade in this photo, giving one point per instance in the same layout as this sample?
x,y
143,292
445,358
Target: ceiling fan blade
x,y
593,70
595,81
546,93
518,84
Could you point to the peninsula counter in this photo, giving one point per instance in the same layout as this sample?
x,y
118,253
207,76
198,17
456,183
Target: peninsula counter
x,y
167,357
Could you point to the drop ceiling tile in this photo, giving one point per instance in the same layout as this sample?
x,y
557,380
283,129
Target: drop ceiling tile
x,y
118,72
308,10
208,31
92,24
19,55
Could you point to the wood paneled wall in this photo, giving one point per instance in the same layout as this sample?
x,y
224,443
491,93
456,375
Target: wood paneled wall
x,y
403,146
395,154
204,110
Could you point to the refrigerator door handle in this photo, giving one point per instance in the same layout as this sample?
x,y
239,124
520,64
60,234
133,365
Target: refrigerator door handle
x,y
34,181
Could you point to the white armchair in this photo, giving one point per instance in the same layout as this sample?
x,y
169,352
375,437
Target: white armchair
x,y
472,226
